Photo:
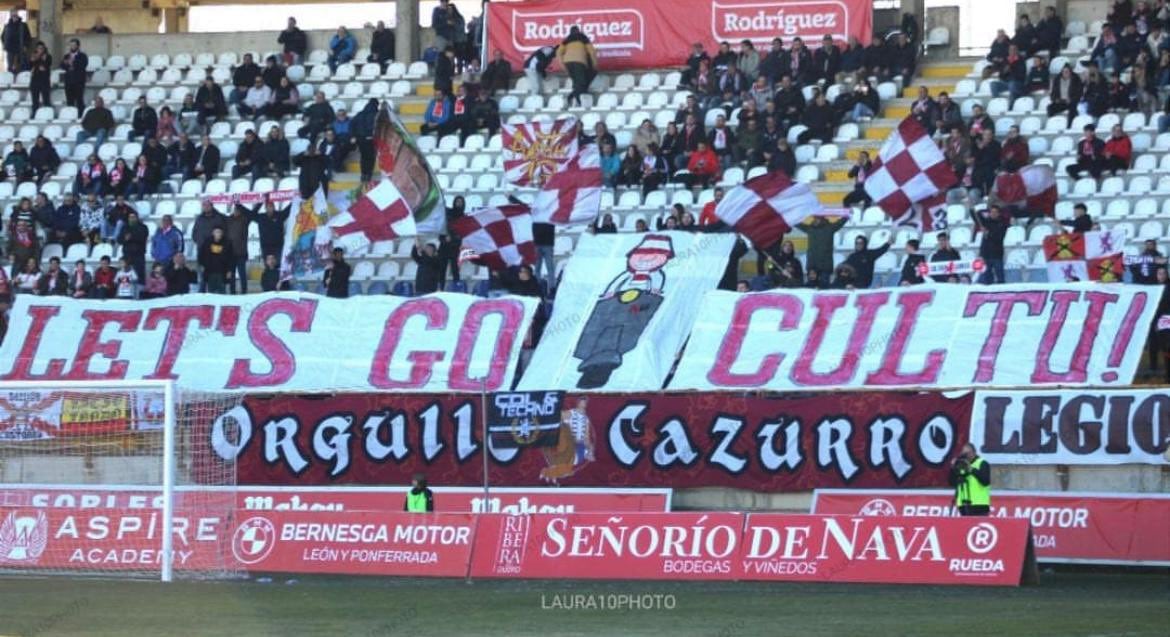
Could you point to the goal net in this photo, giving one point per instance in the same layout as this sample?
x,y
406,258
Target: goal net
x,y
92,473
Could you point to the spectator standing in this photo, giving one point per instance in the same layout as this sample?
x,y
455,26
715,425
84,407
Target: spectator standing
x,y
236,233
126,281
180,277
314,171
862,261
337,276
362,129
497,76
445,71
38,84
166,242
133,241
447,23
987,156
577,56
217,261
925,110
536,67
820,231
994,226
944,252
1014,153
270,226
294,42
430,268
75,66
914,260
270,278
155,286
16,39
318,117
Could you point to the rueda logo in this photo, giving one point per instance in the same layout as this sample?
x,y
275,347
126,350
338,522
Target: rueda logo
x,y
253,540
762,21
23,537
878,506
982,538
611,29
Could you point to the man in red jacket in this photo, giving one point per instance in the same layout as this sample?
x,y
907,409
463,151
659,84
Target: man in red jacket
x,y
703,166
1118,150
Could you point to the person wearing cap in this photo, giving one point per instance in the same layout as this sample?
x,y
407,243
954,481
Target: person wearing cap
x,y
419,499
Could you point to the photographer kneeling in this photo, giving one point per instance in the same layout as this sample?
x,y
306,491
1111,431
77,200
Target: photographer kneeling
x,y
971,478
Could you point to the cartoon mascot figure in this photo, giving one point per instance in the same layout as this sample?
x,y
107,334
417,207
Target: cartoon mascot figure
x,y
623,311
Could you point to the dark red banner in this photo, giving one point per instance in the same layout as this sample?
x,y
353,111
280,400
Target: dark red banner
x,y
645,440
1095,528
632,34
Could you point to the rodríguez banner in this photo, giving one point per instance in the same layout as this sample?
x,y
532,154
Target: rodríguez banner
x,y
286,341
939,336
837,548
1072,426
631,34
697,440
1094,528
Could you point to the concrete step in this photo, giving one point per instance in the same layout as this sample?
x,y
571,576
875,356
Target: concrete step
x,y
896,111
933,85
946,70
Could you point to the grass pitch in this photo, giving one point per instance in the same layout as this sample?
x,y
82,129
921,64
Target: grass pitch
x,y
1064,604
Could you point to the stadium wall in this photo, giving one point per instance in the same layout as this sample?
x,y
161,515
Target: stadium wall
x,y
149,44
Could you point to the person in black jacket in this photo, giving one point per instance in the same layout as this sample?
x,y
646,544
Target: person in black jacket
x,y
1065,93
361,130
247,155
827,61
987,154
181,157
16,39
381,45
143,121
180,277
209,100
270,226
217,261
134,238
428,276
318,117
450,243
272,73
294,41
862,260
536,67
943,253
75,65
43,159
914,259
1081,221
273,158
314,172
781,157
995,226
206,164
38,84
445,71
497,77
1090,155
337,276
243,77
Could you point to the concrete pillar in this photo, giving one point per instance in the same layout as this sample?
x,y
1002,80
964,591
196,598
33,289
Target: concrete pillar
x,y
171,20
916,8
48,26
406,44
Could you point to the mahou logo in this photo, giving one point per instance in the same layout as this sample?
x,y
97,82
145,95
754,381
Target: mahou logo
x,y
611,29
762,21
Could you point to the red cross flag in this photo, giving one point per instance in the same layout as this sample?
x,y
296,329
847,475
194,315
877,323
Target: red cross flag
x,y
500,237
572,195
534,151
910,168
379,215
765,208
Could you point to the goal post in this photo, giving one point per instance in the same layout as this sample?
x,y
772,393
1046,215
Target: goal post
x,y
94,474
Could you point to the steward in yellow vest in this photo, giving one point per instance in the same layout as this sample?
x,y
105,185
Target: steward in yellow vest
x,y
971,478
419,499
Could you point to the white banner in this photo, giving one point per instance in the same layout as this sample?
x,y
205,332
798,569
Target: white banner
x,y
926,336
275,342
1071,426
623,310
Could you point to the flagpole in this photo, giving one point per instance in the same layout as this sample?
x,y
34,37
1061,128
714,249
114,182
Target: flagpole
x,y
484,425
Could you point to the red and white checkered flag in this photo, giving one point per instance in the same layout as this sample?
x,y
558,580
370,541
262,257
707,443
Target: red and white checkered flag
x,y
501,237
1032,188
765,208
909,168
573,194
